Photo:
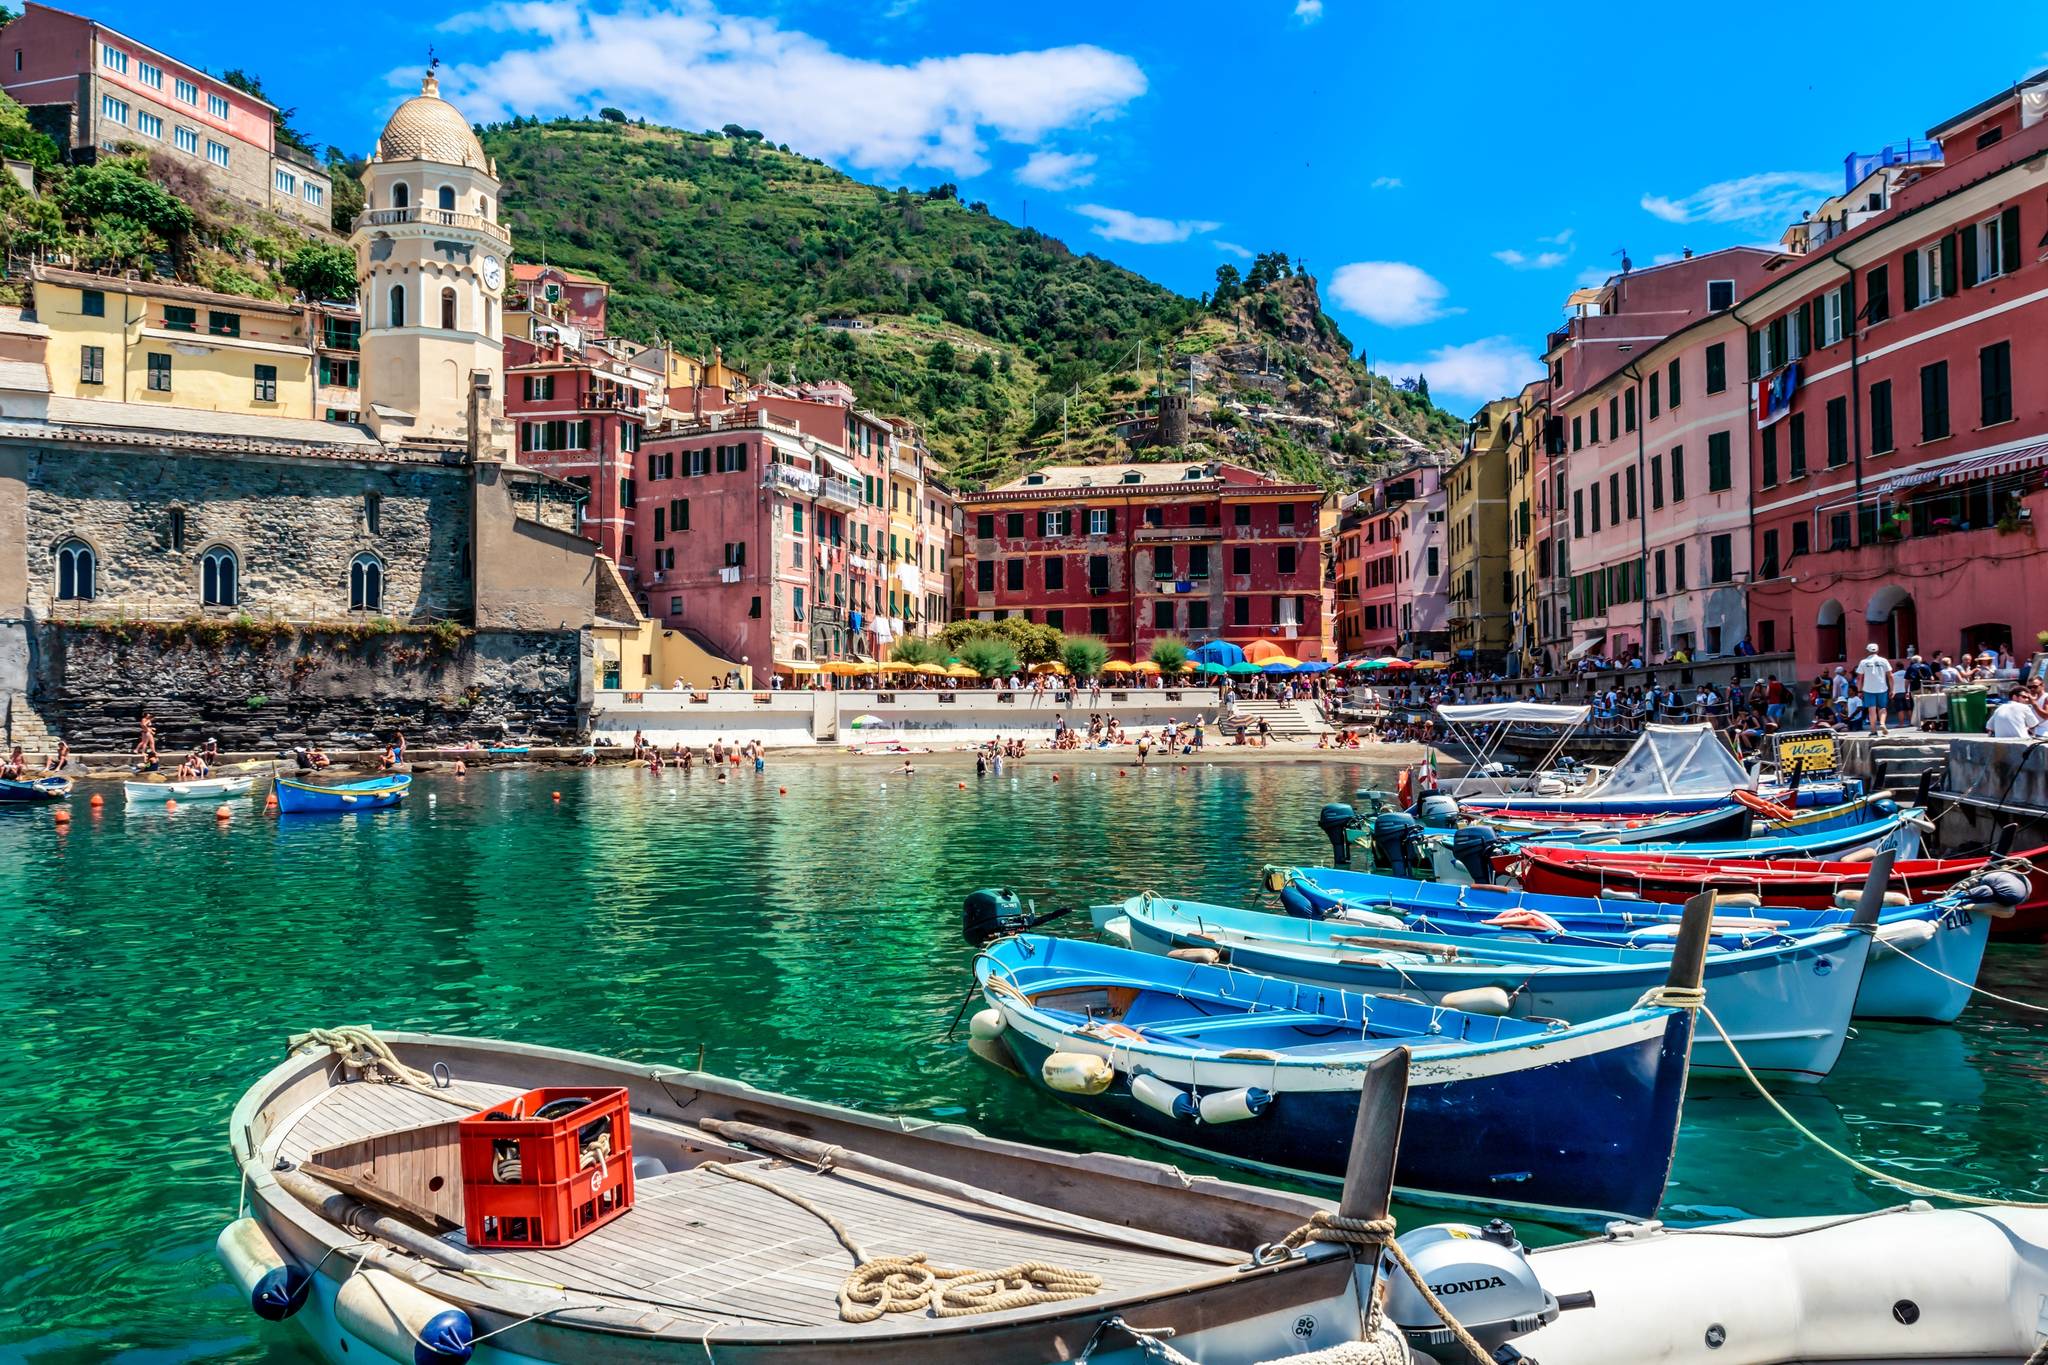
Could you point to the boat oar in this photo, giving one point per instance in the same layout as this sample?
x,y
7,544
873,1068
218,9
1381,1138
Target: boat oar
x,y
1375,1147
1871,903
1689,955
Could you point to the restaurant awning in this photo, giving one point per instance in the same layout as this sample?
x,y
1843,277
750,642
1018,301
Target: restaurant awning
x,y
1963,469
1585,647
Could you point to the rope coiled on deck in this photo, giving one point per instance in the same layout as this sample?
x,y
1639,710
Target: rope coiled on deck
x,y
362,1049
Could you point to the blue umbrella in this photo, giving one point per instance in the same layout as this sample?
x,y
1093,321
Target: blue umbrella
x,y
1313,666
1217,652
1278,666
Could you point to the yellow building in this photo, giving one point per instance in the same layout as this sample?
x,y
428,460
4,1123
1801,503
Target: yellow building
x,y
1476,518
1529,509
173,345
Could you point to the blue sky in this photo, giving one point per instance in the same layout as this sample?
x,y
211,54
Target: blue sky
x,y
1449,172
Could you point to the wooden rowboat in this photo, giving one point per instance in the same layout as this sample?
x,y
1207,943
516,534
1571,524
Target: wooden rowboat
x,y
734,1245
312,798
35,789
196,789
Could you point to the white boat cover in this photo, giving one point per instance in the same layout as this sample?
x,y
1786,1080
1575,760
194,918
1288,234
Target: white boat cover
x,y
1513,712
1674,760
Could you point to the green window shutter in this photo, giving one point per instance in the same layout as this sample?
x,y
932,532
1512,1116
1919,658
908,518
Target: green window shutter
x,y
2009,238
1755,356
1806,328
1969,240
1948,266
1910,273
1848,305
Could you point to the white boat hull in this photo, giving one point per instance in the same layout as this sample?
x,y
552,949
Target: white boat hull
x,y
201,789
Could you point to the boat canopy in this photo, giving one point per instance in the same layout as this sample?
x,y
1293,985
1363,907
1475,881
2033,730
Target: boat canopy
x,y
1674,760
1514,713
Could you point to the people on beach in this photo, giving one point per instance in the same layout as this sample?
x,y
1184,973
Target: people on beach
x,y
58,760
145,745
15,768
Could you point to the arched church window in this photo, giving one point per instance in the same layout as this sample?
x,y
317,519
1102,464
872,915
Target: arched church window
x,y
400,196
447,310
396,316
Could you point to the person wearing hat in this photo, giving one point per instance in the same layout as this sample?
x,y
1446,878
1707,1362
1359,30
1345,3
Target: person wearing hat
x,y
1874,678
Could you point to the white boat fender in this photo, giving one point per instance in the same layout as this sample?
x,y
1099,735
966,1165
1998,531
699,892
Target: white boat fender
x,y
1906,934
1609,894
1228,1106
1371,919
1848,899
1479,1000
1169,1100
1208,957
1746,900
985,1024
1118,929
401,1322
1076,1073
275,1286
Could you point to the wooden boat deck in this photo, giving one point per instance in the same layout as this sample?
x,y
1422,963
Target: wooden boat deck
x,y
704,1247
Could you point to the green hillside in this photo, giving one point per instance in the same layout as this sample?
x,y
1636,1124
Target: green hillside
x,y
974,327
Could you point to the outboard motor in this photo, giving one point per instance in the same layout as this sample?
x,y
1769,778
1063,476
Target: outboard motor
x,y
1482,1276
1399,846
993,913
1338,821
1473,846
1439,810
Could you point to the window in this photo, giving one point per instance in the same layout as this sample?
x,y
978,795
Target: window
x,y
1877,289
1594,506
1994,371
1198,616
1769,568
1656,482
315,195
1631,486
1162,561
1930,272
217,105
111,108
984,575
561,435
1241,611
151,76
1629,410
159,372
1579,513
1013,575
177,528
1801,539
92,365
447,310
1838,432
1162,615
1055,523
373,513
92,303
1198,561
1578,433
187,140
1614,499
1839,532
401,195
1240,559
394,313
1991,248
286,182
1656,386
985,526
1155,516
1241,514
1717,367
366,583
1828,322
217,577
1284,561
1678,566
1101,521
1720,295
266,383
1013,526
223,324
679,518
1770,456
216,152
1593,426
113,58
1881,417
187,91
1720,474
1721,559
76,567
1662,584
1055,574
1671,385
1934,401
446,198
339,372
148,124
1098,620
1287,514
735,554
539,388
1795,427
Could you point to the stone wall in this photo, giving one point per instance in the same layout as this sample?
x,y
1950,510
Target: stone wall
x,y
252,691
294,524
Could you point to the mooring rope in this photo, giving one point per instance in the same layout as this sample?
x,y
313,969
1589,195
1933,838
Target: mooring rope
x,y
362,1049
1377,1234
1970,986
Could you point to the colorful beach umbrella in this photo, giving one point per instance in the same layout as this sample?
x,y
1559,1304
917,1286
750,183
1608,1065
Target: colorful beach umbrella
x,y
1264,651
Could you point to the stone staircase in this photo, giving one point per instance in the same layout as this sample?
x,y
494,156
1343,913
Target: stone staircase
x,y
1900,763
24,726
1293,720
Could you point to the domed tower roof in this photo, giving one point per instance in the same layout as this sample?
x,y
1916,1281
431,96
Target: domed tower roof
x,y
429,128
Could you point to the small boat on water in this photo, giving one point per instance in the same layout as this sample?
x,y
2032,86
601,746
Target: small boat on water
x,y
1900,833
745,1216
1264,1073
32,789
195,789
1786,1006
297,797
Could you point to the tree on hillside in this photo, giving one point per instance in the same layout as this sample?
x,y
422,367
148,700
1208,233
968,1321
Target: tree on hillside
x,y
1268,267
347,193
611,115
941,357
20,139
322,271
1229,287
289,135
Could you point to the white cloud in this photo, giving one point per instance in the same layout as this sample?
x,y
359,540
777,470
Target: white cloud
x,y
1387,182
1563,238
1121,225
1749,198
1542,260
1049,170
1478,371
689,63
1241,252
1308,11
1391,293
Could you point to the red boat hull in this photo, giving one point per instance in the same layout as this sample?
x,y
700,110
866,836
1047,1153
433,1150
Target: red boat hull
x,y
1782,881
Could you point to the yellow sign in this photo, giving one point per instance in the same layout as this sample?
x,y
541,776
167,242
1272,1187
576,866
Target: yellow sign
x,y
1813,751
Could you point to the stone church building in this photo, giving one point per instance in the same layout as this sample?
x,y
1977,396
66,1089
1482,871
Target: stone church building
x,y
266,579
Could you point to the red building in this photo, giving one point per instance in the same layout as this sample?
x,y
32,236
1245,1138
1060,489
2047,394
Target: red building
x,y
1133,552
1899,423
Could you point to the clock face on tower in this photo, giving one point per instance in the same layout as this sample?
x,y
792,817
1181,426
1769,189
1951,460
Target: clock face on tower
x,y
494,273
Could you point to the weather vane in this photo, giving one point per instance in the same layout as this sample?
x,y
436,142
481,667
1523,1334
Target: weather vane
x,y
433,61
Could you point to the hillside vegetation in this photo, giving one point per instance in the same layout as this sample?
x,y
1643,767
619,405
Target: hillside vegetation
x,y
996,338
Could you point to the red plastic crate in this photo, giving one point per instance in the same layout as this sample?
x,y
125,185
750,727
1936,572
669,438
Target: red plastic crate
x,y
525,1181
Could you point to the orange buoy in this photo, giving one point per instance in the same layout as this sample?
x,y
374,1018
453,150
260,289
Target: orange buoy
x,y
61,816
784,791
963,786
171,805
1055,777
221,812
558,796
97,801
270,799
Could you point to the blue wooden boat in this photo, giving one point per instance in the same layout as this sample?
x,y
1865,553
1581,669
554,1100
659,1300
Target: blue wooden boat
x,y
311,798
1786,1007
1946,936
1265,1074
1900,833
1809,795
1727,820
35,789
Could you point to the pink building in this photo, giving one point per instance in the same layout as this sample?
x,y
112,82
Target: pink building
x,y
1646,428
95,90
1403,575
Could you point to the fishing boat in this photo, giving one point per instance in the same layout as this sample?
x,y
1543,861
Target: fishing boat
x,y
1899,833
1786,1007
1742,815
1264,1073
747,1215
1922,969
1570,871
30,789
196,789
295,797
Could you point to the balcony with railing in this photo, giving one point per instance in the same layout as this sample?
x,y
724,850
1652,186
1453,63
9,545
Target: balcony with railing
x,y
907,468
432,217
841,491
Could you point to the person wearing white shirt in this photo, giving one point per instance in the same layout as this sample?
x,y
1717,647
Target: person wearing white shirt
x,y
1874,678
2016,719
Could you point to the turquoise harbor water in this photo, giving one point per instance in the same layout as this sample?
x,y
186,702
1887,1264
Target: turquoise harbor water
x,y
154,964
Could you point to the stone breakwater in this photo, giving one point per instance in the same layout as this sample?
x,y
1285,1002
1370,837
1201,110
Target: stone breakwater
x,y
264,688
